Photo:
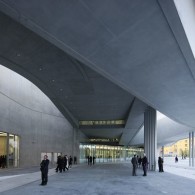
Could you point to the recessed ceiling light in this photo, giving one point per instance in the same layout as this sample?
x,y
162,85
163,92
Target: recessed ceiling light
x,y
18,54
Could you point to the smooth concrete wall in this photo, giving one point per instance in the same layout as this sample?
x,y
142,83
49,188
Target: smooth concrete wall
x,y
28,113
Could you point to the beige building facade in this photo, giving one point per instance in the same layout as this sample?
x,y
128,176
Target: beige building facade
x,y
179,148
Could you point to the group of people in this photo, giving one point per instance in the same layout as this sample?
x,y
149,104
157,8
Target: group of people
x,y
138,161
3,161
91,160
63,163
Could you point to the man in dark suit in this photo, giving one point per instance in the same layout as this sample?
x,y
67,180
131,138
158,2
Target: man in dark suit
x,y
134,163
44,170
145,165
160,164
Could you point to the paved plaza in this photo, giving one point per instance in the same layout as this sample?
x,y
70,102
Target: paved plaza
x,y
101,179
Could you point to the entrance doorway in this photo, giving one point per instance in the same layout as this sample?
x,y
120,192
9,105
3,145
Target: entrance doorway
x,y
9,150
106,154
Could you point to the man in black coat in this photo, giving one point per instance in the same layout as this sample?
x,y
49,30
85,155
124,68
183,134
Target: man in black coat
x,y
145,165
59,164
44,170
134,163
160,164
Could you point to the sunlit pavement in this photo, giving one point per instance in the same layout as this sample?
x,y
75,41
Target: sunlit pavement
x,y
181,168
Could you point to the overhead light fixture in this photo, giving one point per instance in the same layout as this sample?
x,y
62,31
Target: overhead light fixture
x,y
102,122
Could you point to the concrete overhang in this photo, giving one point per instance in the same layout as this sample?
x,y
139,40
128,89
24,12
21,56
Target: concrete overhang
x,y
94,59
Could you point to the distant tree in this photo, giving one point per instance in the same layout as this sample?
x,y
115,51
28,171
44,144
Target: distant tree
x,y
186,152
181,153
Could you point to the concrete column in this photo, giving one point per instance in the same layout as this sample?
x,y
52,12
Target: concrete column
x,y
150,137
190,153
75,145
193,148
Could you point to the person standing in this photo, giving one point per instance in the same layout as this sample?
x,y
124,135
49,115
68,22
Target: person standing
x,y
90,160
139,162
145,164
94,160
176,159
160,164
134,163
44,170
75,160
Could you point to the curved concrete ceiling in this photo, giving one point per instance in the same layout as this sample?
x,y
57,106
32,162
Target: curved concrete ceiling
x,y
79,92
168,131
135,50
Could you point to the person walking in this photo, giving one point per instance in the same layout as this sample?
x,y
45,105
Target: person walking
x,y
59,164
70,162
65,163
134,163
44,166
145,164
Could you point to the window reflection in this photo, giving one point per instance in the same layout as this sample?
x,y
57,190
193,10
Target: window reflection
x,y
9,150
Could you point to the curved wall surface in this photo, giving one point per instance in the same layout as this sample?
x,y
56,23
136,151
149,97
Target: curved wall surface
x,y
29,113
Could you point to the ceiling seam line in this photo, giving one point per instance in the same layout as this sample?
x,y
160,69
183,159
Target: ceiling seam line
x,y
41,82
27,106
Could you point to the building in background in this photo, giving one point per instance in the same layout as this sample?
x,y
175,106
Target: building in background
x,y
180,148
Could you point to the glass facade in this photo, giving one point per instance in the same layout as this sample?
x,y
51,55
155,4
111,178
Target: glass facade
x,y
105,153
9,150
